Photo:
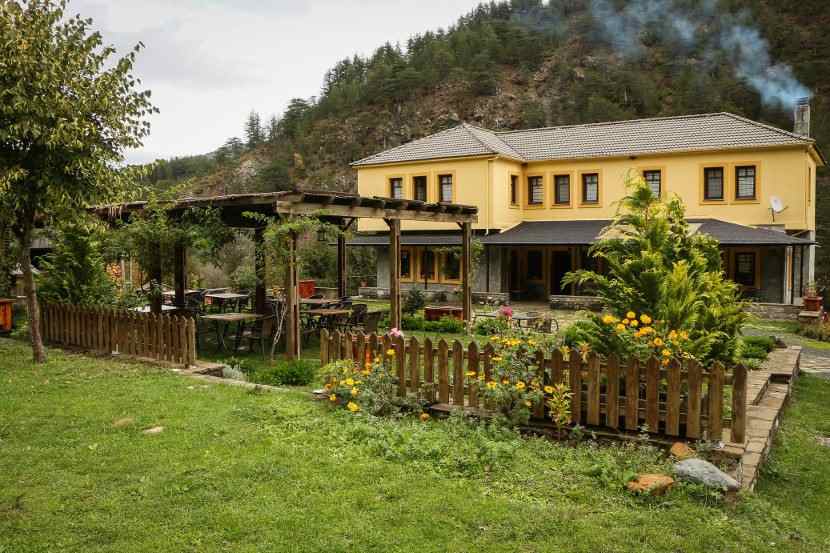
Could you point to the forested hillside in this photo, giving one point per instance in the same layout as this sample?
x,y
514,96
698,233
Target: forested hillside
x,y
528,63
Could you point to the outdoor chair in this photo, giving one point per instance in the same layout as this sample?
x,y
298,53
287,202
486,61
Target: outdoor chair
x,y
359,311
260,332
371,321
547,325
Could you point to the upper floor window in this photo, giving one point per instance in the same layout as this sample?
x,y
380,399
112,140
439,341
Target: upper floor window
x,y
745,182
713,183
654,180
419,184
535,190
396,188
562,189
445,188
514,189
590,188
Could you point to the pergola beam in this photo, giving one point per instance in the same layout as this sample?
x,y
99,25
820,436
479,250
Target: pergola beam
x,y
423,213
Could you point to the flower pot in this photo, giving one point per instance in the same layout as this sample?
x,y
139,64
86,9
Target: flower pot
x,y
813,303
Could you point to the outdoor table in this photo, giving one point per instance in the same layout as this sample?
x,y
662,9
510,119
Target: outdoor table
x,y
221,322
519,318
318,302
224,297
326,314
146,308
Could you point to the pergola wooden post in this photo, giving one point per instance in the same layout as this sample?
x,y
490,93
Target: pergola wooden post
x,y
394,272
180,274
292,303
342,288
466,269
260,303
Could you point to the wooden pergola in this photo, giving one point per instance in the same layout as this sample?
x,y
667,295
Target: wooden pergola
x,y
338,208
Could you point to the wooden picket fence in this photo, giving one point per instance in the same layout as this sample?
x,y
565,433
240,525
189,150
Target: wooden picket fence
x,y
680,400
168,338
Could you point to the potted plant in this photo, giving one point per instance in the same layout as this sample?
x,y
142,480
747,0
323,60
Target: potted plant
x,y
812,300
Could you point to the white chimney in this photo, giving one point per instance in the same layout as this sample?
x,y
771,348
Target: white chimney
x,y
801,116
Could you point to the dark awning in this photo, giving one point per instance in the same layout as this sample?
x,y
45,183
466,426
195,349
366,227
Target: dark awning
x,y
583,233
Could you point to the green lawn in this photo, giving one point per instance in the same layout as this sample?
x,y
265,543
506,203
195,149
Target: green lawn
x,y
236,470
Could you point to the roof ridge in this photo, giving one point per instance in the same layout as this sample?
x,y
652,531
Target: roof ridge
x,y
467,128
399,146
608,123
769,127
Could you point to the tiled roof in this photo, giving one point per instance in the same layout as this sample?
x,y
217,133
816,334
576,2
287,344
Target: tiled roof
x,y
712,131
586,232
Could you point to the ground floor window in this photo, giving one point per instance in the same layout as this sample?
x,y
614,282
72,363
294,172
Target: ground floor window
x,y
421,264
406,264
746,265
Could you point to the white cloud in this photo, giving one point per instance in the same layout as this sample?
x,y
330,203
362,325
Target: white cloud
x,y
209,62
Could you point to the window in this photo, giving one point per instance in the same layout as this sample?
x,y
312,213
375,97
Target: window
x,y
745,268
451,268
534,265
419,184
562,189
713,183
745,182
427,265
654,181
396,188
406,264
514,189
445,191
535,191
590,188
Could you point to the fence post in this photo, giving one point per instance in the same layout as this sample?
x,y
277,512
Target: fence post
x,y
673,400
458,374
429,376
575,376
612,392
739,404
414,368
632,395
716,403
443,372
324,347
593,389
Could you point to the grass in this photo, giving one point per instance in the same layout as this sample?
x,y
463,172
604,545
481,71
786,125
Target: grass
x,y
235,470
786,330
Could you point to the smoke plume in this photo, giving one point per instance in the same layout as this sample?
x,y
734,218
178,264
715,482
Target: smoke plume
x,y
706,28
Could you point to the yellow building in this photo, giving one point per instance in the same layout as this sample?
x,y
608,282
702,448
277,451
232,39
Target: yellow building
x,y
545,194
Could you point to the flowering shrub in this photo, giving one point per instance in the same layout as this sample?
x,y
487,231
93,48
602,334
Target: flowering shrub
x,y
491,326
370,388
559,405
514,389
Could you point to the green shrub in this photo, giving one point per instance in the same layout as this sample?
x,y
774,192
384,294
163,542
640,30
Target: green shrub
x,y
751,351
445,325
767,343
491,326
815,331
413,302
412,322
300,372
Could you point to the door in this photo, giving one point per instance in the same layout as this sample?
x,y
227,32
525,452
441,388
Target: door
x,y
560,264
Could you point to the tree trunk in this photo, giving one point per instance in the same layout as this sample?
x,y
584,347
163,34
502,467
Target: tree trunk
x,y
38,351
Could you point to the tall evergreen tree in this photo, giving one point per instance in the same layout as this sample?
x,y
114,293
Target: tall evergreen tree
x,y
253,130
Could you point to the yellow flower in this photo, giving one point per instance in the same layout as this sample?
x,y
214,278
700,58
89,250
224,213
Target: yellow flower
x,y
520,385
634,323
390,352
531,342
332,397
496,359
566,351
491,385
528,403
645,319
624,322
548,389
609,319
327,386
664,362
505,381
658,342
631,315
494,338
620,327
646,330
367,372
673,335
355,391
349,382
424,417
684,335
353,407
481,377
471,374
666,353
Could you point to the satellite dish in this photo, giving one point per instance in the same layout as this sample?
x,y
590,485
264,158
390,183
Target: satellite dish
x,y
776,206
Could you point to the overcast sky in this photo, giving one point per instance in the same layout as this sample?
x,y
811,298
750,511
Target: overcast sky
x,y
209,62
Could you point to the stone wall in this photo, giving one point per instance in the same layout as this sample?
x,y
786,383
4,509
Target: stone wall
x,y
774,311
575,303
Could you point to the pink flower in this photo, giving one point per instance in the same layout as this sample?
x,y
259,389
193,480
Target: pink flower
x,y
506,311
395,333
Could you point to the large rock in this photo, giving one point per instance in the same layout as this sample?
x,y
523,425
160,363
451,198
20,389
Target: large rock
x,y
704,472
654,484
